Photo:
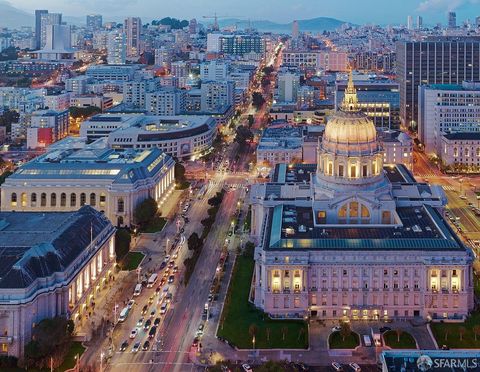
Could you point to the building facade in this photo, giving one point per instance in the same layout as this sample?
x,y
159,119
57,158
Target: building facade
x,y
76,253
348,239
442,61
133,28
111,181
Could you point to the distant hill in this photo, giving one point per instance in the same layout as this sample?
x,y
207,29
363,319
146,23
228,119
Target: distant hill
x,y
314,25
12,17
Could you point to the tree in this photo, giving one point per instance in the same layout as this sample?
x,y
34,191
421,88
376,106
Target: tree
x,y
243,134
345,330
251,120
257,100
399,332
84,112
145,212
461,332
122,243
194,242
8,118
476,331
179,173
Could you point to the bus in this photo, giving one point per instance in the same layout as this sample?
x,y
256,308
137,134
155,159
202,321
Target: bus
x,y
152,280
123,314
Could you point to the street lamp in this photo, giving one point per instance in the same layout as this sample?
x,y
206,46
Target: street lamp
x,y
101,361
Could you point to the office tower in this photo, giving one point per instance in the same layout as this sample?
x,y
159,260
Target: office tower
x,y
452,20
47,19
132,28
288,84
38,27
449,108
295,30
192,26
94,21
410,22
419,22
116,48
438,61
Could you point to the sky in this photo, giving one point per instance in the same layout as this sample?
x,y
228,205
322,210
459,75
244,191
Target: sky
x,y
284,11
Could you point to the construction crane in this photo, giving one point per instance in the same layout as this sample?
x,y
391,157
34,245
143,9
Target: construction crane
x,y
215,18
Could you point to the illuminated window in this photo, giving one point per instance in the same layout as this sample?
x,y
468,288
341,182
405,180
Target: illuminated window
x,y
103,198
353,171
93,199
13,199
23,199
330,169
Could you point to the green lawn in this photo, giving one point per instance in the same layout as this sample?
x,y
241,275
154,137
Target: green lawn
x,y
450,332
131,261
155,225
69,362
406,340
239,315
336,341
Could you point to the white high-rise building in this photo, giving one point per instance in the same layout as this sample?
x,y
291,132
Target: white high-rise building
x,y
46,20
167,101
134,92
295,30
132,28
410,22
216,94
215,70
116,48
419,22
288,84
163,57
214,42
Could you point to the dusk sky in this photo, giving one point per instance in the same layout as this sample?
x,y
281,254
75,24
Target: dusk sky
x,y
365,11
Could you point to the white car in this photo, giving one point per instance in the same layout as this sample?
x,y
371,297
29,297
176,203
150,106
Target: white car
x,y
136,347
134,333
246,367
130,304
355,367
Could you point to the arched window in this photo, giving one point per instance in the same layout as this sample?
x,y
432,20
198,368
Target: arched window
x,y
340,170
23,199
364,170
365,212
353,171
478,151
120,221
353,209
43,199
73,200
83,199
103,199
467,153
63,199
13,199
455,152
93,199
330,169
120,205
53,200
33,200
354,213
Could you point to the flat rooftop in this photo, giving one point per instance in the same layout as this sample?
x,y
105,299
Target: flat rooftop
x,y
422,228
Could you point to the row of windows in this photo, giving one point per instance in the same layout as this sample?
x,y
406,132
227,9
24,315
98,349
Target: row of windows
x,y
54,199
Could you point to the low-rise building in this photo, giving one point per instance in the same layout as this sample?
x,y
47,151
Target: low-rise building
x,y
92,100
72,174
47,127
397,148
460,152
53,264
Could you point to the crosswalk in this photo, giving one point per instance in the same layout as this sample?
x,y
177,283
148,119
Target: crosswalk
x,y
448,187
426,175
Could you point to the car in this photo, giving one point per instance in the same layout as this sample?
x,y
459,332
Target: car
x,y
195,342
162,265
163,308
140,322
166,259
445,347
152,313
336,366
169,297
146,345
152,332
134,333
355,367
175,269
246,367
385,329
158,289
162,281
150,299
171,264
144,309
136,347
200,329
210,297
147,324
230,233
175,255
171,279
156,322
337,328
124,345
130,304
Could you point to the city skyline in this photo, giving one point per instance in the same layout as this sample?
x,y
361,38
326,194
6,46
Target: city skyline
x,y
433,11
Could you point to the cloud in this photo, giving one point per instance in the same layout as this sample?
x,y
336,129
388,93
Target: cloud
x,y
443,5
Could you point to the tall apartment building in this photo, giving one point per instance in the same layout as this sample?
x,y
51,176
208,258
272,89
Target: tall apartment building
x,y
288,83
215,70
181,71
447,109
322,60
236,44
94,21
163,57
116,48
167,101
439,61
452,20
38,27
217,94
47,127
134,92
132,28
47,19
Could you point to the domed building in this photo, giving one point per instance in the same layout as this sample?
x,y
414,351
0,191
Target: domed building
x,y
350,162
350,238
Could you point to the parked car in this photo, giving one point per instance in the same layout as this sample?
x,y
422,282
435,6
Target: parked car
x,y
337,328
355,367
130,304
246,367
337,366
